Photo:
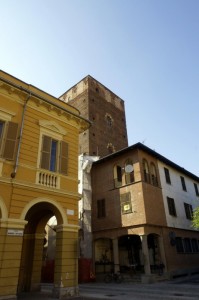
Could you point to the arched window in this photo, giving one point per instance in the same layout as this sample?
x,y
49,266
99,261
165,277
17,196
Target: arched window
x,y
110,148
109,120
117,175
154,178
129,171
146,171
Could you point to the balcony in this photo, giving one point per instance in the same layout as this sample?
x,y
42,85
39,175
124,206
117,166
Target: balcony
x,y
48,179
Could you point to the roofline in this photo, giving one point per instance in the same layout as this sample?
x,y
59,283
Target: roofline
x,y
41,97
96,81
151,152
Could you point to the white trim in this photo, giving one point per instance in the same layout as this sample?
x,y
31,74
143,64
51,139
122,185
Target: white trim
x,y
52,126
6,115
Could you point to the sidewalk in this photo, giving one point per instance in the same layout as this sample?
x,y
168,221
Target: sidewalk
x,y
186,288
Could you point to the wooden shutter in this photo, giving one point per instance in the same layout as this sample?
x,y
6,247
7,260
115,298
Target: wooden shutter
x,y
10,141
64,158
45,152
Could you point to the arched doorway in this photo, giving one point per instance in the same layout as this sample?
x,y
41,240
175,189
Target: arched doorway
x,y
130,253
103,255
155,259
32,255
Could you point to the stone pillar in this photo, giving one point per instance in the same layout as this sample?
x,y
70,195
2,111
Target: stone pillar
x,y
66,262
162,252
116,255
145,252
11,239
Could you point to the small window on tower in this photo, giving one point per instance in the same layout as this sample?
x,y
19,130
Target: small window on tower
x,y
110,148
109,120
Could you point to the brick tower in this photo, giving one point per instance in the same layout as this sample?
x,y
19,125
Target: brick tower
x,y
105,110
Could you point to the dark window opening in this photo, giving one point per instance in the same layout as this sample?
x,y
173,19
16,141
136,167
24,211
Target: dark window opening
x,y
187,245
146,171
194,244
167,175
183,183
154,179
188,211
179,245
101,209
196,189
171,206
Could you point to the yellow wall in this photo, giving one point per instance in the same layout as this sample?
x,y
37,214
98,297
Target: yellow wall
x,y
24,201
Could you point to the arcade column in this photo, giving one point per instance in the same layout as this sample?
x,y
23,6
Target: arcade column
x,y
66,262
11,239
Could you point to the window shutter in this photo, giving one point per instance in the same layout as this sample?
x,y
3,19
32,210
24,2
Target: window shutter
x,y
45,153
64,158
10,141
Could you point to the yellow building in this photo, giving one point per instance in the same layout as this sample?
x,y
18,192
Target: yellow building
x,y
38,180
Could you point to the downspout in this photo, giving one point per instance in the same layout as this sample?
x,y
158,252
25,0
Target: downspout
x,y
13,174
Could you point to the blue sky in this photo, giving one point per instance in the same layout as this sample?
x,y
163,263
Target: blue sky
x,y
145,51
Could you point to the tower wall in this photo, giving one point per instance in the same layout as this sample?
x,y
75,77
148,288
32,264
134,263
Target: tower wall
x,y
105,110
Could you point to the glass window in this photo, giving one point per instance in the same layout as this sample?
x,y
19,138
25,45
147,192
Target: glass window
x,y
167,175
194,244
183,183
187,245
179,245
171,206
54,155
188,211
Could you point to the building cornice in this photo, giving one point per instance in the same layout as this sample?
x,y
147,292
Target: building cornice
x,y
54,104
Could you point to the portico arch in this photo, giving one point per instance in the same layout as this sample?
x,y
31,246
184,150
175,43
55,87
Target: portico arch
x,y
37,213
54,205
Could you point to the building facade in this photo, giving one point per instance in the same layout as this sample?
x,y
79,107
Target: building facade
x,y
105,110
85,269
38,180
181,197
135,224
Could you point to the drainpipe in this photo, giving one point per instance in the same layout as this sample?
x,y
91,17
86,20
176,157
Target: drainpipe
x,y
13,174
